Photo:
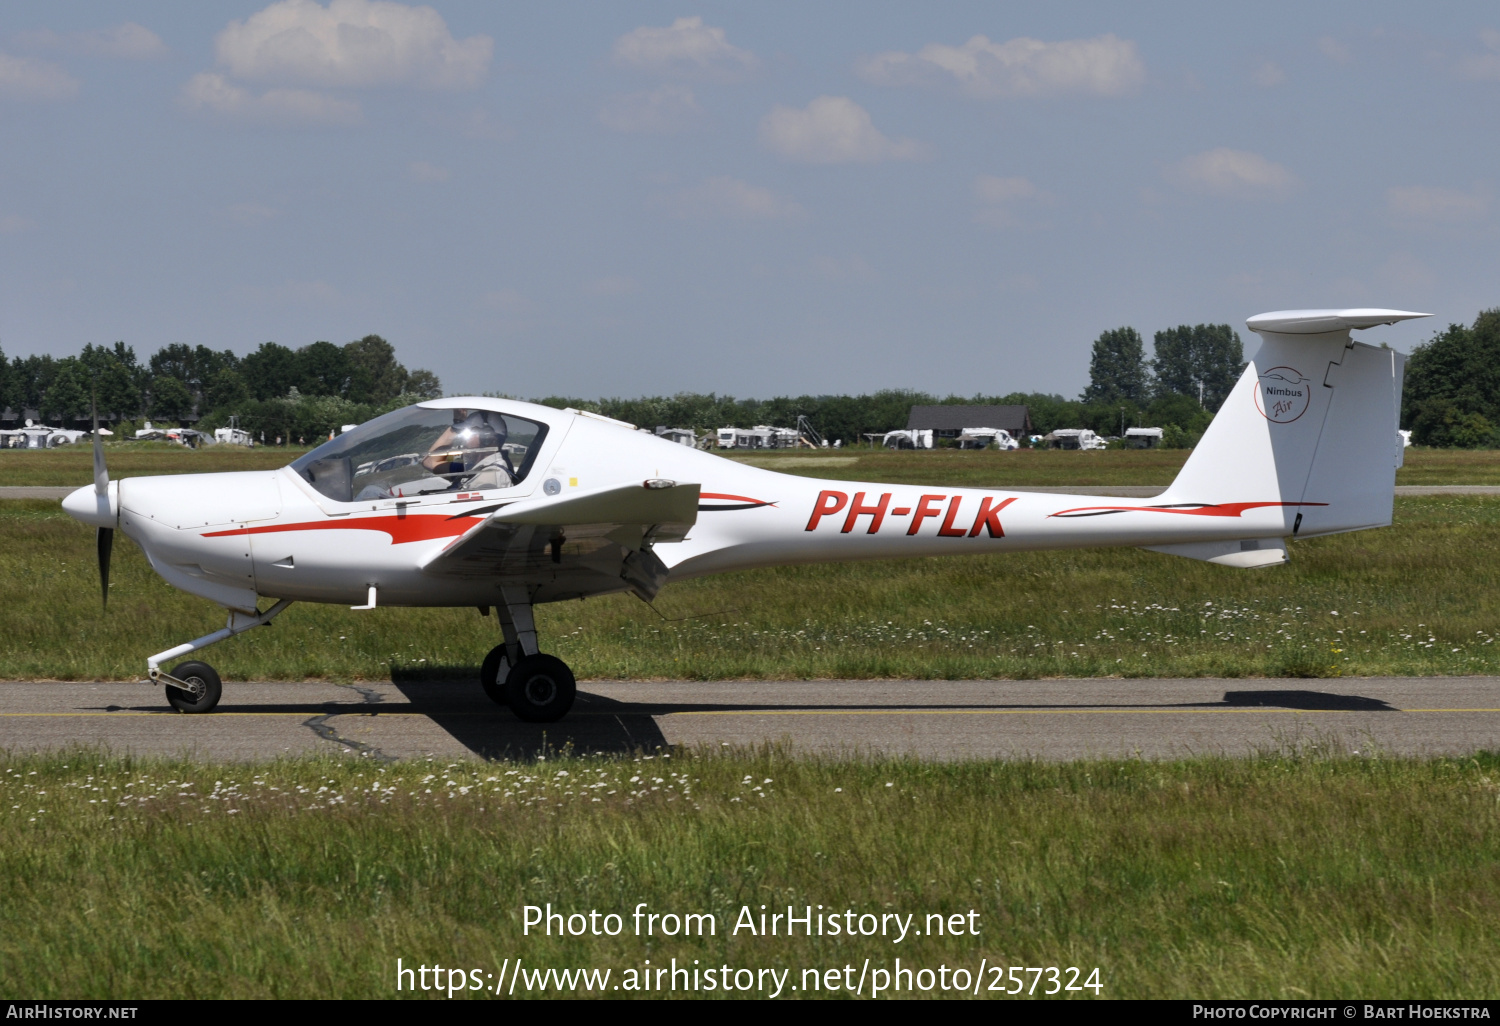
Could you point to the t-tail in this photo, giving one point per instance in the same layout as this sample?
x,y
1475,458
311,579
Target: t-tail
x,y
1310,429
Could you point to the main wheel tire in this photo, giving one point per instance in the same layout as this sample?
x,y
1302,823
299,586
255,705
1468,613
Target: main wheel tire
x,y
207,688
492,675
540,689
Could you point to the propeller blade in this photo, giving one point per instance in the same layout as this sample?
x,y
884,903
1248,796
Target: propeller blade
x,y
101,476
106,542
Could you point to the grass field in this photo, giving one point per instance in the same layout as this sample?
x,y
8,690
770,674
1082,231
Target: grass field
x,y
1304,874
74,466
1417,598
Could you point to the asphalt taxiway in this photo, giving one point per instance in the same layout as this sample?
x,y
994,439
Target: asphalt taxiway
x,y
1046,719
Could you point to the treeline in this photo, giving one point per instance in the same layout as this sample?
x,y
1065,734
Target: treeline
x,y
275,390
1452,395
1191,372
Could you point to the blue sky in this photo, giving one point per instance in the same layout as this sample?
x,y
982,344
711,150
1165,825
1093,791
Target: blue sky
x,y
754,199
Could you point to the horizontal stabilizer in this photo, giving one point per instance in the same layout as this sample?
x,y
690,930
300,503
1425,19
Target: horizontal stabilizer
x,y
1246,554
1315,322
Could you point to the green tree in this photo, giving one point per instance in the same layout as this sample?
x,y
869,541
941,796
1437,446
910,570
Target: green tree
x,y
1117,369
9,393
423,384
1452,380
270,371
226,392
322,369
170,398
31,376
113,382
374,374
68,393
1203,361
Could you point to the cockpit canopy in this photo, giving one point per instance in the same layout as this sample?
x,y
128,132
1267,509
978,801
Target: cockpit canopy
x,y
420,451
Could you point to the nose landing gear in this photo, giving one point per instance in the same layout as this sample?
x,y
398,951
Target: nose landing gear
x,y
194,687
203,688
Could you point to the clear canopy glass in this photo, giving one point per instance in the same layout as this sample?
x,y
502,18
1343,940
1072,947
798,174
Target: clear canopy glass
x,y
417,451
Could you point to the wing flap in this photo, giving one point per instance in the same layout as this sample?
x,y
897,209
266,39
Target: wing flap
x,y
598,540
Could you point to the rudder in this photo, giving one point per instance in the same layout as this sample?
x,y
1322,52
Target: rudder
x,y
1311,426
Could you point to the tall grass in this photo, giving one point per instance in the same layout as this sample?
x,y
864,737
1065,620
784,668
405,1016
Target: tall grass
x,y
1417,598
1303,873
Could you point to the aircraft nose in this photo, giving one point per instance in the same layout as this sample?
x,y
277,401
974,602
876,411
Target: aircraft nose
x,y
92,508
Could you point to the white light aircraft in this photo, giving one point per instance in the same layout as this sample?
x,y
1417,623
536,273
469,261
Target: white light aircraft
x,y
504,505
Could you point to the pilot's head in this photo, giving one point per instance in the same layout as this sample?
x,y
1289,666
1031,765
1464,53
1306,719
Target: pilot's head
x,y
478,429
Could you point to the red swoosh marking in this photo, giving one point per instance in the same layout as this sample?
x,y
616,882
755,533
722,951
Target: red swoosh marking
x,y
736,498
401,529
1225,509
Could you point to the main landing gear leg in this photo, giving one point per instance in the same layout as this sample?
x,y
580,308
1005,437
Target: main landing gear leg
x,y
539,688
194,687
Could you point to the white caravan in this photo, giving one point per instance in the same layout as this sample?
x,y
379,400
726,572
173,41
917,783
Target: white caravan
x,y
1075,438
909,438
983,438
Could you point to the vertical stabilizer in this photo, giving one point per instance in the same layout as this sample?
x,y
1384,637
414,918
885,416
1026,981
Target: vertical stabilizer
x,y
1311,426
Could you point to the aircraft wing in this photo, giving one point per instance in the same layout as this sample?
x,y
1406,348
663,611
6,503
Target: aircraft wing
x,y
575,545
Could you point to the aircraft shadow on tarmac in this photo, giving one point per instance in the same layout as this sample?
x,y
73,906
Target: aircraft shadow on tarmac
x,y
1320,701
596,726
602,725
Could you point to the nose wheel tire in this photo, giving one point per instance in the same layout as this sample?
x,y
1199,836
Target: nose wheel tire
x,y
540,689
204,680
493,674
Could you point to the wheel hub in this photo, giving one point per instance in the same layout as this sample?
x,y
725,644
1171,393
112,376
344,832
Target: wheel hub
x,y
540,689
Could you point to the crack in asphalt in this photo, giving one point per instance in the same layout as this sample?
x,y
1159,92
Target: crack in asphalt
x,y
320,726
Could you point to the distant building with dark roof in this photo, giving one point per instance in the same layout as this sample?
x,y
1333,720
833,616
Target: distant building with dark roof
x,y
948,421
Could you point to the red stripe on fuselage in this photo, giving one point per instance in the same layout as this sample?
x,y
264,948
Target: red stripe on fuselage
x,y
401,529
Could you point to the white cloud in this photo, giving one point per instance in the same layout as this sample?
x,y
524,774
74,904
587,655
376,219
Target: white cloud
x,y
129,42
251,214
661,111
1102,66
992,189
475,124
210,93
506,301
1430,203
421,171
1403,272
613,285
1484,66
726,197
998,197
1236,173
1335,51
853,269
26,78
309,293
831,130
686,47
352,43
1268,75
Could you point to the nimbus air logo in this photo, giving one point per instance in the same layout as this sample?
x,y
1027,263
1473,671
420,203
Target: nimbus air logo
x,y
1283,394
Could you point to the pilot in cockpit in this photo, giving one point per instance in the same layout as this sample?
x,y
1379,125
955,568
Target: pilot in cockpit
x,y
471,453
